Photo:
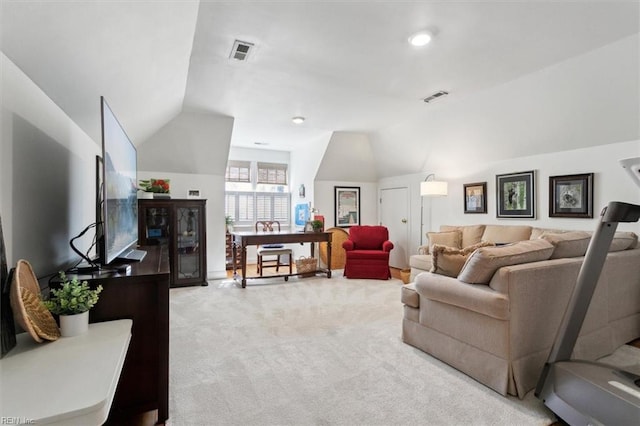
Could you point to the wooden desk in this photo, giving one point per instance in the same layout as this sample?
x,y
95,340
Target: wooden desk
x,y
243,239
71,381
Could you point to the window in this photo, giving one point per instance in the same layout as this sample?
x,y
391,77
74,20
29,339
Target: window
x,y
238,171
272,173
257,191
248,207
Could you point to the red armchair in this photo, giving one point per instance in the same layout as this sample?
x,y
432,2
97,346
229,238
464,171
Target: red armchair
x,y
367,251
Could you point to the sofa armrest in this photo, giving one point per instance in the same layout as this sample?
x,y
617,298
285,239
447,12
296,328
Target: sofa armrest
x,y
473,297
348,245
538,294
387,246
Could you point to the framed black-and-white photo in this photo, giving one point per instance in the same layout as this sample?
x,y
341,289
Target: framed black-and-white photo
x,y
475,197
347,203
193,193
571,196
516,196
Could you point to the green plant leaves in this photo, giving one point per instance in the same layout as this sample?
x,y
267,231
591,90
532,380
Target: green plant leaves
x,y
73,297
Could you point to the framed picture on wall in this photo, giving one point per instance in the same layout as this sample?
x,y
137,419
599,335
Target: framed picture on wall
x,y
347,206
516,196
475,197
571,196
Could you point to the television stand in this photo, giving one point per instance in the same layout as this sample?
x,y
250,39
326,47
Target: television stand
x,y
142,295
133,254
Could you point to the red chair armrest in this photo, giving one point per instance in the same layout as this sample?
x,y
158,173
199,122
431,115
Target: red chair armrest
x,y
387,246
348,245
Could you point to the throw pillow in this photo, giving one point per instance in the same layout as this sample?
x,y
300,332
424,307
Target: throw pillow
x,y
471,234
568,244
449,261
449,239
485,261
623,240
506,233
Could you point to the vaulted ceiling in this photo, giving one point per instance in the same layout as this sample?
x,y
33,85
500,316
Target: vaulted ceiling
x,y
344,65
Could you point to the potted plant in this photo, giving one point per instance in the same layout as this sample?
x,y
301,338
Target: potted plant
x,y
228,220
154,188
72,302
317,225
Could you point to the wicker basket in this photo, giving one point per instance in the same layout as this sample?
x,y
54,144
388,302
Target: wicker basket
x,y
306,264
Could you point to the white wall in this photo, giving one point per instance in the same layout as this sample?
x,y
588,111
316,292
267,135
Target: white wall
x,y
324,197
304,166
47,176
191,143
348,157
611,183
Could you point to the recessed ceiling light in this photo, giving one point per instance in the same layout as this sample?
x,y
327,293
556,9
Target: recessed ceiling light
x,y
420,39
298,120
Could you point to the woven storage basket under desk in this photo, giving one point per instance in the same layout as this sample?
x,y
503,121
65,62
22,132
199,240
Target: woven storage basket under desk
x,y
306,264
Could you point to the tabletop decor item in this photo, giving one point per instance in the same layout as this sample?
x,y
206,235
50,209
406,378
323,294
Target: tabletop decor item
x,y
160,188
72,302
26,302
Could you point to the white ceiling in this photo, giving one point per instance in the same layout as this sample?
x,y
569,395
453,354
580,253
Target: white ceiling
x,y
344,65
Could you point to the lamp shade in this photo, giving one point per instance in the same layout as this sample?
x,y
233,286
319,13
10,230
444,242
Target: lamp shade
x,y
433,188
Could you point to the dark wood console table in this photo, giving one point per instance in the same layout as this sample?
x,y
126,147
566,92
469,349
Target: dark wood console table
x,y
141,295
243,239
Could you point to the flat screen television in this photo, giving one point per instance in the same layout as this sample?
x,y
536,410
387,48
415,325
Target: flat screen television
x,y
118,211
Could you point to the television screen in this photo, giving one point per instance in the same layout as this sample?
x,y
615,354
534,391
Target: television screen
x,y
120,203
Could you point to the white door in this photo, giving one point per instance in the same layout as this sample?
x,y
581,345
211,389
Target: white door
x,y
394,208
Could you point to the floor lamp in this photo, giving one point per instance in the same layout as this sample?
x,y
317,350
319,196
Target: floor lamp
x,y
430,188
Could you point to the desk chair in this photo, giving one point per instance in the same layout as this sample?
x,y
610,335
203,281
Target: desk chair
x,y
276,250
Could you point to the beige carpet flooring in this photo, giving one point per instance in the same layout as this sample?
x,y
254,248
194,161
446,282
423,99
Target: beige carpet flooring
x,y
315,351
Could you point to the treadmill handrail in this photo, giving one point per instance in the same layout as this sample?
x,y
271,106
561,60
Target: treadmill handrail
x,y
588,277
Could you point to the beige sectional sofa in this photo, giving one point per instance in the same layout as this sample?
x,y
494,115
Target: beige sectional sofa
x,y
496,320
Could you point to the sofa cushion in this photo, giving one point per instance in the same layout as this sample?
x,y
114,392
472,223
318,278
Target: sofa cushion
x,y
421,261
623,240
471,234
503,234
537,232
568,244
447,238
485,261
449,261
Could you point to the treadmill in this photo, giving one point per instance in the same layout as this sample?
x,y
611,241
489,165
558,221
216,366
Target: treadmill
x,y
585,392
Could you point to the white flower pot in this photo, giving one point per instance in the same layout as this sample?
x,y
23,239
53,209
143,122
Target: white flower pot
x,y
74,325
144,195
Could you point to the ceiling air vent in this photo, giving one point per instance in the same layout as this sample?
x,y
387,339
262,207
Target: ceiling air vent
x,y
435,96
241,50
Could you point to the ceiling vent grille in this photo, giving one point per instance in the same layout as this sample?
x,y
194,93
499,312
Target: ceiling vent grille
x,y
435,96
241,50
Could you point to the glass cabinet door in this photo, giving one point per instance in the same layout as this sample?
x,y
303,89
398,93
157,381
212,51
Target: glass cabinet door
x,y
188,223
158,225
180,226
